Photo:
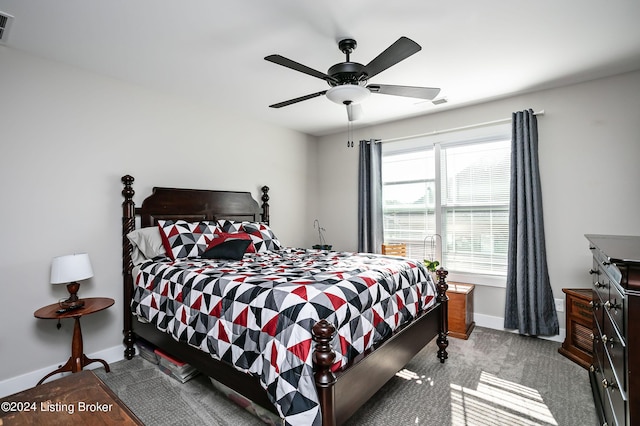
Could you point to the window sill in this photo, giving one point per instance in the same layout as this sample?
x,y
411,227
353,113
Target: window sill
x,y
478,279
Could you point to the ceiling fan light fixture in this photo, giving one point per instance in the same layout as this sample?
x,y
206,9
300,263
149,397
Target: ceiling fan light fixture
x,y
348,94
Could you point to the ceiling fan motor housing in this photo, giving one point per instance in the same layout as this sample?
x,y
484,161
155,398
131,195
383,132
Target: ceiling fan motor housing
x,y
347,73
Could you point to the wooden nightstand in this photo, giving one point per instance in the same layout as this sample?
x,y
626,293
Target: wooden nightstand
x,y
578,344
78,359
461,322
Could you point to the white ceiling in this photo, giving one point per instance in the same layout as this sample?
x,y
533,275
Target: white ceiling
x,y
212,51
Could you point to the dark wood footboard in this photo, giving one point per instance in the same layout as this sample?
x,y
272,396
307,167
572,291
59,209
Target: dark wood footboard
x,y
341,393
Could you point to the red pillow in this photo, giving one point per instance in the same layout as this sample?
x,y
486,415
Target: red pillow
x,y
221,237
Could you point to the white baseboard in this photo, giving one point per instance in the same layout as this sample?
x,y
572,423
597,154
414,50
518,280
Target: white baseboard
x,y
29,380
497,323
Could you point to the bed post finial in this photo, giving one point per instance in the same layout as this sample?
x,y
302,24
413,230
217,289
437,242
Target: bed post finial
x,y
265,204
128,225
442,297
323,358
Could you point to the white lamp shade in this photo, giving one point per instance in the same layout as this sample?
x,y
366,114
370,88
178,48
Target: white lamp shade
x,y
70,268
348,93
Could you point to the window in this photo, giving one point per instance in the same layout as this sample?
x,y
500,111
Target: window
x,y
447,198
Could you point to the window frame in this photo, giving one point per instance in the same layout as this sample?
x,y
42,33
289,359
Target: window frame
x,y
436,141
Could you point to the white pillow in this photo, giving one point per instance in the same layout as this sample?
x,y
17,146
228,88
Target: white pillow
x,y
147,244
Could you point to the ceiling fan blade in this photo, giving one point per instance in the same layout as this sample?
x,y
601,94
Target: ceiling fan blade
x,y
398,51
285,62
408,91
296,100
354,112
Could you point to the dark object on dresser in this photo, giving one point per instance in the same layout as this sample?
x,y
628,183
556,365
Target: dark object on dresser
x,y
340,394
578,345
615,381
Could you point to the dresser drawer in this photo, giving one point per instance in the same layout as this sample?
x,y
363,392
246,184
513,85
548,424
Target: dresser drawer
x,y
598,353
615,406
615,307
600,281
607,400
614,348
597,309
612,391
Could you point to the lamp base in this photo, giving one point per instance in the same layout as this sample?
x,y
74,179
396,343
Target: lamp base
x,y
71,304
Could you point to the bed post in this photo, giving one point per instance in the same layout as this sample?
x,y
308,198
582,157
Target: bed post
x,y
265,204
323,358
128,225
442,297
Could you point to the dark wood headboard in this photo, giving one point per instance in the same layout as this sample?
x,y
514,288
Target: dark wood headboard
x,y
185,204
195,204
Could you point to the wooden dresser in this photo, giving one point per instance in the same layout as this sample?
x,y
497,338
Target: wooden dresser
x,y
614,374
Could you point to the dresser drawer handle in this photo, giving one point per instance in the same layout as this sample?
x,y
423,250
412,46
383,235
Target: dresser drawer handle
x,y
597,284
608,305
610,340
606,384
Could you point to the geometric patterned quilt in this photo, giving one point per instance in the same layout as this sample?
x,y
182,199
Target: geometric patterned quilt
x,y
257,313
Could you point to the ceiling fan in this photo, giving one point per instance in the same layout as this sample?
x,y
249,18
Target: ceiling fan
x,y
348,80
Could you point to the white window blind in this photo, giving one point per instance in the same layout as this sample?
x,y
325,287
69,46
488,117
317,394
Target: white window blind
x,y
475,207
409,198
457,189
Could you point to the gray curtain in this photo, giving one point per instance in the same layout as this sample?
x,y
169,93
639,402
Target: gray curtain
x,y
529,303
370,235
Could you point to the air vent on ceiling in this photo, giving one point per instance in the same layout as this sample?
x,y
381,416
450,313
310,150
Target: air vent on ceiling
x,y
5,26
439,101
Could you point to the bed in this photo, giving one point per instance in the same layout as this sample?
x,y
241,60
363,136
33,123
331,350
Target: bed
x,y
344,364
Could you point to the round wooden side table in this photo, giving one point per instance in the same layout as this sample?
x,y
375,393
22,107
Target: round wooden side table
x,y
78,359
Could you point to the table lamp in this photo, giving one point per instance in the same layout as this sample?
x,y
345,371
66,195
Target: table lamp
x,y
69,270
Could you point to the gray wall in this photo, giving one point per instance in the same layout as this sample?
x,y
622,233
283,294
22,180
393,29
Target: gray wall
x,y
64,132
589,154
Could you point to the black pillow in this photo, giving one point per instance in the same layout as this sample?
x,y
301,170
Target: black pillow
x,y
230,249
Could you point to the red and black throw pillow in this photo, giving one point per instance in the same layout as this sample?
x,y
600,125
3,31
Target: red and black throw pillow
x,y
186,239
232,249
221,237
262,236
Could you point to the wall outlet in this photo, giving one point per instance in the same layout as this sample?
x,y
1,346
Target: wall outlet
x,y
559,305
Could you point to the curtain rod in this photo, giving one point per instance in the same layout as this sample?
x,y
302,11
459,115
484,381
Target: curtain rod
x,y
454,129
